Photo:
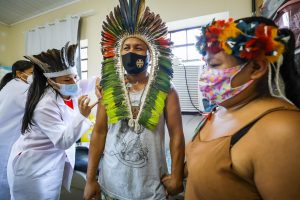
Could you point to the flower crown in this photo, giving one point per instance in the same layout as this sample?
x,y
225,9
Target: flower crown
x,y
255,40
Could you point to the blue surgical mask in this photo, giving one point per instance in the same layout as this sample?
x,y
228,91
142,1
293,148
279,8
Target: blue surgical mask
x,y
29,79
69,89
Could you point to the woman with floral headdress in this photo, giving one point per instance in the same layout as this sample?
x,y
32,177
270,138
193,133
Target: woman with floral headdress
x,y
138,99
42,159
248,147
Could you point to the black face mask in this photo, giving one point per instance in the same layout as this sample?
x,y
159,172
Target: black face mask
x,y
135,63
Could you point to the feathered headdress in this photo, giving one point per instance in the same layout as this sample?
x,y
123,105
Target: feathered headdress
x,y
56,62
253,41
132,19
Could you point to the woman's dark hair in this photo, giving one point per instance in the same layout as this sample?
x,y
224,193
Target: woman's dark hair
x,y
20,65
35,92
288,71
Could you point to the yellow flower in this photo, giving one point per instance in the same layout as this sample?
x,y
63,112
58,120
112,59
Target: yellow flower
x,y
229,31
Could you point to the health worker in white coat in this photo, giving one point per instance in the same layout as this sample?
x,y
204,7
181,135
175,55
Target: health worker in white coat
x,y
13,94
42,159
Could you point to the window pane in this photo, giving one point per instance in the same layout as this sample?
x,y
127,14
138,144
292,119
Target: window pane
x,y
180,52
84,75
83,43
83,53
193,54
179,37
194,63
84,65
191,35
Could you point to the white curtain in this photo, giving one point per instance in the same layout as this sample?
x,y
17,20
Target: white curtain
x,y
52,35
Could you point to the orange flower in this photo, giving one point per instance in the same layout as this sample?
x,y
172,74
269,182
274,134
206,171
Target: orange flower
x,y
263,45
255,41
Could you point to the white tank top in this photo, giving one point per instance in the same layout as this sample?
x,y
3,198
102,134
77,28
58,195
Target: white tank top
x,y
133,164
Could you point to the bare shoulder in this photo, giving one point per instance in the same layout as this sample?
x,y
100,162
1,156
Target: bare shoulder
x,y
278,131
172,98
173,92
275,155
284,124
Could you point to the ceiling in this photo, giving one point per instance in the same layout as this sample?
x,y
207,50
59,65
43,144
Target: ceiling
x,y
16,11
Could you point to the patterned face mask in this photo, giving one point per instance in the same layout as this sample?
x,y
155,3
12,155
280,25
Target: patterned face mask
x,y
215,84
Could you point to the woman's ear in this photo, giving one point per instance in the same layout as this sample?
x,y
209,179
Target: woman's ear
x,y
53,84
258,69
20,75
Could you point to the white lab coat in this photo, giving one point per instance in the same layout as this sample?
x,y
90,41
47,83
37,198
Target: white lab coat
x,y
43,159
12,104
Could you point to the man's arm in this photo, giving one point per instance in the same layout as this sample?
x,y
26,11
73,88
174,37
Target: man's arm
x,y
96,149
173,183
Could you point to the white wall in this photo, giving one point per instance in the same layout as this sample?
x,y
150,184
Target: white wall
x,y
5,52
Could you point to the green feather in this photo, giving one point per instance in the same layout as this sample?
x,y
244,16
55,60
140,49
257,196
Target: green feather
x,y
129,18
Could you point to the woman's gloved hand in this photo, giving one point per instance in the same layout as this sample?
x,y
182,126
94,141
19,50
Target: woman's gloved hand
x,y
84,107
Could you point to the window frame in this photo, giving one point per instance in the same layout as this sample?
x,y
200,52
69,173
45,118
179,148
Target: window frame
x,y
186,44
82,47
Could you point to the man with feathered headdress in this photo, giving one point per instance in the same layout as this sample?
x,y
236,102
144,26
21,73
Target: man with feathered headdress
x,y
138,98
